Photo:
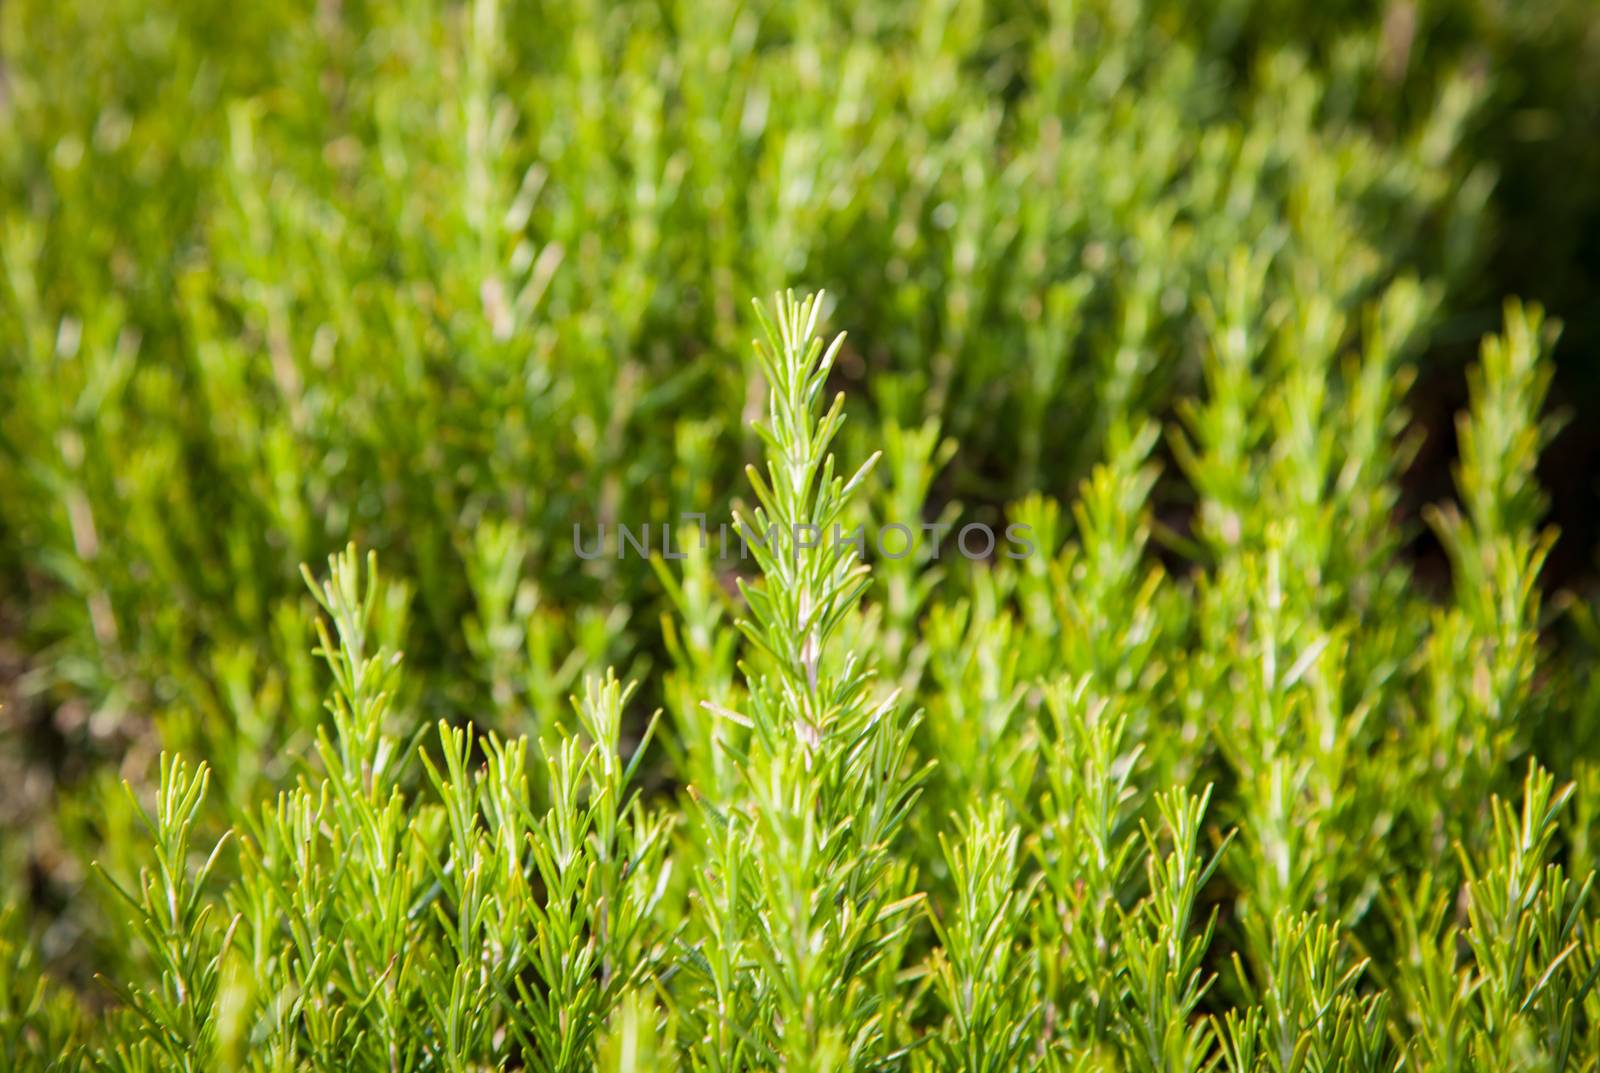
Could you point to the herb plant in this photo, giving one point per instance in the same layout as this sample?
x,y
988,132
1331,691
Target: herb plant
x,y
1252,746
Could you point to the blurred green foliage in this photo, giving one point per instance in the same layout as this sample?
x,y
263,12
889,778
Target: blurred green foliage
x,y
1154,279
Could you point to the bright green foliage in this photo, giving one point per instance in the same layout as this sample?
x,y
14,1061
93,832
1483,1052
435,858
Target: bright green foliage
x,y
1227,770
506,927
446,280
436,901
980,966
812,907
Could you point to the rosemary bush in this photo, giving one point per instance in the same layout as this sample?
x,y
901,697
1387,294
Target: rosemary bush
x,y
1063,896
1219,771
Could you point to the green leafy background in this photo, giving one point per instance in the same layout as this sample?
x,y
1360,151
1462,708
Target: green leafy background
x,y
1279,753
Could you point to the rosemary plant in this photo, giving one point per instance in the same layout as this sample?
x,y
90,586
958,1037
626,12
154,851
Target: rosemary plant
x,y
1263,737
1099,888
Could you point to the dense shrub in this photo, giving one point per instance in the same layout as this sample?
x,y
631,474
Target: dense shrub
x,y
1223,772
